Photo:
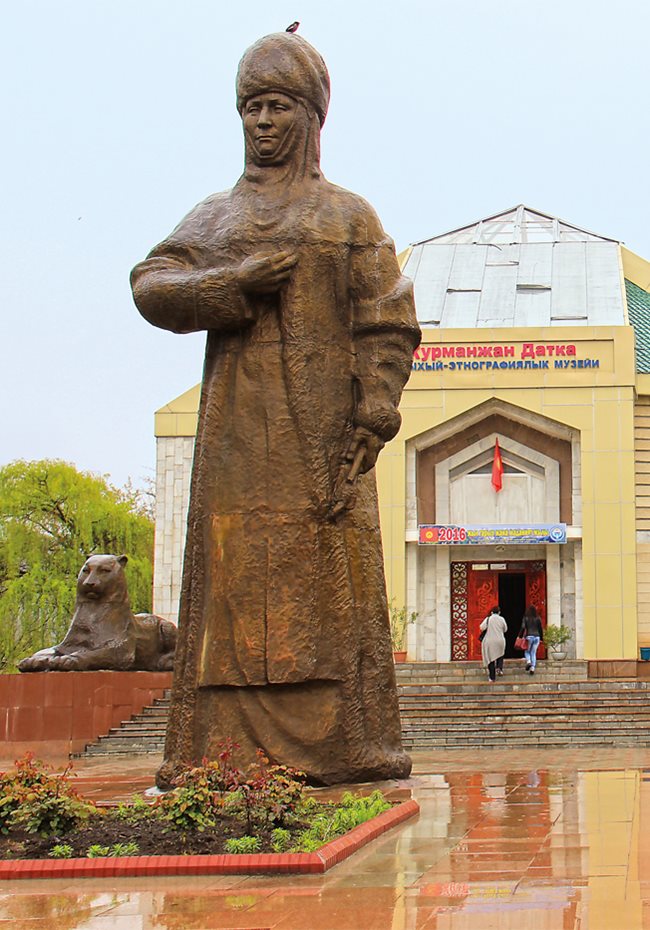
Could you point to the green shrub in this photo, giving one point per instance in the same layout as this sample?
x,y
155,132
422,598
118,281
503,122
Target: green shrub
x,y
244,844
556,636
61,851
333,821
308,842
39,801
201,791
280,840
124,849
133,811
270,796
96,851
8,807
192,805
49,815
399,618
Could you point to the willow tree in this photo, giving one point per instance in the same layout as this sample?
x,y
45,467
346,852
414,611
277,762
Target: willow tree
x,y
52,517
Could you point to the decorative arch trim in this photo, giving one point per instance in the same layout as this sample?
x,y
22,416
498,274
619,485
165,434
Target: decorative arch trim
x,y
541,434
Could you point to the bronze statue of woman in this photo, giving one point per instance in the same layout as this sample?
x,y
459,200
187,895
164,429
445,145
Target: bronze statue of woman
x,y
283,631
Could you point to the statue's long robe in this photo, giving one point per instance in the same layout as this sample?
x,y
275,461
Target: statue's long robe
x,y
283,632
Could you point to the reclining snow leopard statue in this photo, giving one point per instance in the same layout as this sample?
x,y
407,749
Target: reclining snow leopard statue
x,y
105,633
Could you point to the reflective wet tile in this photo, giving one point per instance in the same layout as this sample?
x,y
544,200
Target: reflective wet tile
x,y
504,841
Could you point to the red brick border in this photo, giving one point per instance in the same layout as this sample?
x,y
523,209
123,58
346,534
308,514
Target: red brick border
x,y
259,863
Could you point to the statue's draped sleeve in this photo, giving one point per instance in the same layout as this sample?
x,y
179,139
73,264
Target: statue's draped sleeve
x,y
385,333
178,286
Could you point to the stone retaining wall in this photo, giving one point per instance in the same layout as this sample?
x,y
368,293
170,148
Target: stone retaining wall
x,y
53,714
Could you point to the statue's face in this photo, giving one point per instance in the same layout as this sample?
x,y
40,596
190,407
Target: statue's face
x,y
268,120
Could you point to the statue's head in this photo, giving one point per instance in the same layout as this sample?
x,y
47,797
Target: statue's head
x,y
283,88
102,578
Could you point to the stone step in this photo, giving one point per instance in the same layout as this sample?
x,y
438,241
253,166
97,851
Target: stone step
x,y
126,746
447,704
517,718
528,685
450,705
132,733
497,741
511,725
528,743
452,709
141,720
470,671
533,735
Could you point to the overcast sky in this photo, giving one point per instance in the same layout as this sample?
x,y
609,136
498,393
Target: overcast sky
x,y
119,116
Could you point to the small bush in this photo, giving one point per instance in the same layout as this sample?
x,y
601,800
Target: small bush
x,y
192,805
8,806
280,840
124,849
201,791
336,820
244,844
61,851
39,801
51,816
134,811
223,774
271,795
97,852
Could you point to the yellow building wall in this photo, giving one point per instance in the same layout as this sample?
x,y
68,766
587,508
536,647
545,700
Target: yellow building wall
x,y
642,476
635,268
180,416
615,461
599,403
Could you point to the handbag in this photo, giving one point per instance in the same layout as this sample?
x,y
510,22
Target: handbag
x,y
481,635
521,643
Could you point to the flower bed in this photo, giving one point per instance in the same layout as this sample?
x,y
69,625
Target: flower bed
x,y
221,820
254,864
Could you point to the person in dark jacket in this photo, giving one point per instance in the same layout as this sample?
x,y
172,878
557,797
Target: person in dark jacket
x,y
531,628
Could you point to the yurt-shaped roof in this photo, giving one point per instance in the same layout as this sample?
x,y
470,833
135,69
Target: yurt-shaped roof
x,y
517,268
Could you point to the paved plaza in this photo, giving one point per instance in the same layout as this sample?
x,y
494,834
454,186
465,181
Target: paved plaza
x,y
533,840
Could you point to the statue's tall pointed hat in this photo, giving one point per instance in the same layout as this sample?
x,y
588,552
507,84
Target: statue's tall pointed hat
x,y
284,62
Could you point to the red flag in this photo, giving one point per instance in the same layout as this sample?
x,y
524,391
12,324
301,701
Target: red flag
x,y
497,468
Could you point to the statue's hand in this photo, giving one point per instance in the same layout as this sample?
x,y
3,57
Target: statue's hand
x,y
359,457
265,272
372,444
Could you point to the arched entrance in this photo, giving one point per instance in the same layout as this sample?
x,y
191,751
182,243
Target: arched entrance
x,y
454,580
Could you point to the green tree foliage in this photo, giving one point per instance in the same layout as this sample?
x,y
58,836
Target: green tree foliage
x,y
52,517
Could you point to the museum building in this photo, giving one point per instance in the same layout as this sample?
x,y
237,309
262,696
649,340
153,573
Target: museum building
x,y
521,472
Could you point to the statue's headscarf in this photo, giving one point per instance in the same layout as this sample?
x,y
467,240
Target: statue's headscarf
x,y
286,63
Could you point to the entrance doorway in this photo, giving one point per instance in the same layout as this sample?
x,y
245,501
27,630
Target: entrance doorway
x,y
512,600
476,587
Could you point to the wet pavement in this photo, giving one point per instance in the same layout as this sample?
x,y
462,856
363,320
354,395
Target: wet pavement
x,y
533,840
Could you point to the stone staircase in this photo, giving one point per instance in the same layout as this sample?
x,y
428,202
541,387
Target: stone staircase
x,y
452,706
144,732
558,706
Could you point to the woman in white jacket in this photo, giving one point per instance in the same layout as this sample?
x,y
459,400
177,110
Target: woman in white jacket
x,y
493,647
